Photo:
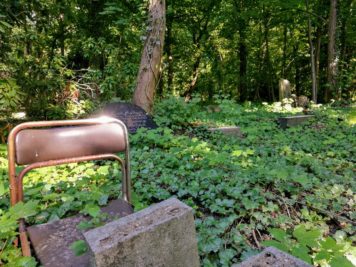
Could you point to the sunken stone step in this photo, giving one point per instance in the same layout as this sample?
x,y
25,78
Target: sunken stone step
x,y
160,235
290,121
272,257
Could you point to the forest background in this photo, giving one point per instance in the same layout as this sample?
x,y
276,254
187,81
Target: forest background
x,y
54,52
292,189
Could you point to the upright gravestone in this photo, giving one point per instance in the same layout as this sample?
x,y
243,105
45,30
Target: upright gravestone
x,y
284,89
133,116
160,235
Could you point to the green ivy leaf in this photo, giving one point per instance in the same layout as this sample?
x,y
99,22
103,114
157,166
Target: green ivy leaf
x,y
340,261
278,234
103,200
308,238
322,255
79,247
84,225
2,188
276,244
226,256
330,244
22,262
92,209
21,210
303,180
302,252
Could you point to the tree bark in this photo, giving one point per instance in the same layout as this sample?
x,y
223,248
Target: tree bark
x,y
317,56
168,45
150,66
332,60
284,59
242,50
267,58
297,78
243,62
197,40
188,94
312,57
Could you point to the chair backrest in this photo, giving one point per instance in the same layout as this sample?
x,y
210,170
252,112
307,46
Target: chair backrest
x,y
49,143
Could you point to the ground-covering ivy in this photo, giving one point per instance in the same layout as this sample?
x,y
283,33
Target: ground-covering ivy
x,y
293,188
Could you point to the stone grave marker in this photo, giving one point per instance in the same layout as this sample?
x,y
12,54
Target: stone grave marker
x,y
284,89
272,257
161,235
290,121
133,116
233,131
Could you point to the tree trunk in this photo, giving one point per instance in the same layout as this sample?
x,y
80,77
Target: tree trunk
x,y
345,16
61,33
170,71
150,66
284,60
312,58
188,94
242,50
332,60
297,78
317,56
267,61
243,62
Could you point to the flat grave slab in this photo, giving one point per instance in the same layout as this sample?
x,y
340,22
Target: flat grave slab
x,y
272,257
290,121
228,130
51,241
133,116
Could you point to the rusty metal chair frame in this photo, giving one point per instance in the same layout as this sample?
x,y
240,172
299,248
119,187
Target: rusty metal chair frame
x,y
16,180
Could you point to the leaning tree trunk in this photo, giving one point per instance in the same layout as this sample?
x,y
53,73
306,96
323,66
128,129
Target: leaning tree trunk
x,y
332,61
150,66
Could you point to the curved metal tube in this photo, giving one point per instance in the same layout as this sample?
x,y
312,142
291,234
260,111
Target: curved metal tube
x,y
16,182
67,161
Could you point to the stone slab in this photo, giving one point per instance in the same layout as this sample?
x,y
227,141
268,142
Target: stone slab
x,y
290,121
51,241
160,235
229,131
133,116
272,257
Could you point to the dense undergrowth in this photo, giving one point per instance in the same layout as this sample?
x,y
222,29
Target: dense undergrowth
x,y
293,189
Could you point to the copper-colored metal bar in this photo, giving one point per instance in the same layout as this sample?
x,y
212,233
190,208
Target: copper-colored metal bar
x,y
17,129
12,167
25,244
16,183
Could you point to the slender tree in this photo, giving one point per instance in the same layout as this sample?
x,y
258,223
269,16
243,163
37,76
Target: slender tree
x,y
332,59
150,66
312,57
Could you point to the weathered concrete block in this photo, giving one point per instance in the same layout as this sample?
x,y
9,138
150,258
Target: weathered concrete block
x,y
291,121
272,257
160,235
51,241
229,130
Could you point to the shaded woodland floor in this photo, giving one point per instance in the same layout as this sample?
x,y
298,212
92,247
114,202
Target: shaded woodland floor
x,y
293,189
